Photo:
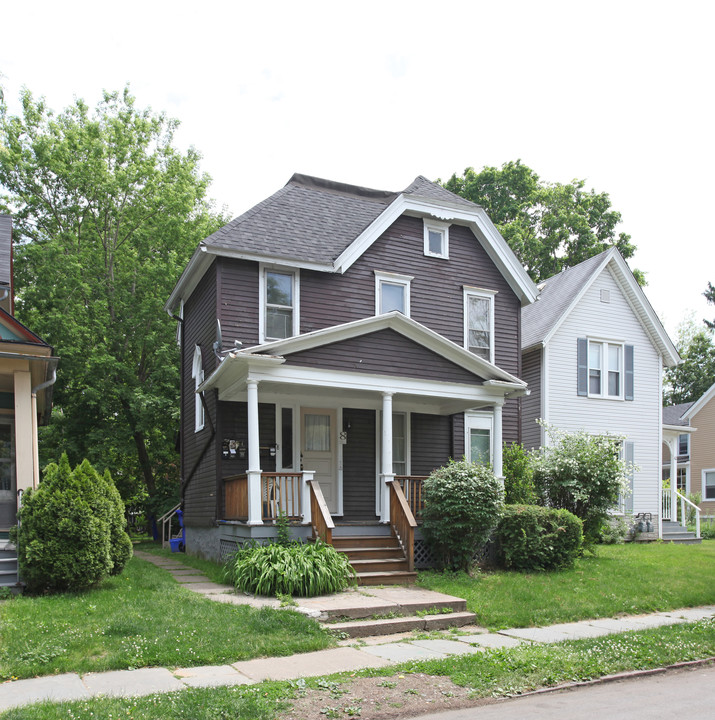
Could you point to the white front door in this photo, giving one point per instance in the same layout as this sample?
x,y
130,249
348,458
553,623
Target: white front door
x,y
319,450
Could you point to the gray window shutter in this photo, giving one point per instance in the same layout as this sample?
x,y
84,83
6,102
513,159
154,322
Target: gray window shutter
x,y
582,366
629,455
628,365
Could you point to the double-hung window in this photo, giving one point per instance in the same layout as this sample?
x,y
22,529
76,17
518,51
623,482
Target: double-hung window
x,y
708,487
684,444
197,373
605,369
392,292
479,322
279,292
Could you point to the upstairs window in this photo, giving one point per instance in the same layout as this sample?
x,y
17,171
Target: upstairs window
x,y
279,304
392,292
479,322
197,373
436,239
684,444
604,369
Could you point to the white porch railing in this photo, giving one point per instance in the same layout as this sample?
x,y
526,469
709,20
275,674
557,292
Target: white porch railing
x,y
671,513
165,522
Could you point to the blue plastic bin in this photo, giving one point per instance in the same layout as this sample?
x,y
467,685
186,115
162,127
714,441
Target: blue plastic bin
x,y
177,544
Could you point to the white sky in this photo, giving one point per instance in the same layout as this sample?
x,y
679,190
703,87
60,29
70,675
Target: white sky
x,y
374,93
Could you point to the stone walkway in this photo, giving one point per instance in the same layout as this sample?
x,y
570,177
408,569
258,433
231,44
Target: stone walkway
x,y
372,652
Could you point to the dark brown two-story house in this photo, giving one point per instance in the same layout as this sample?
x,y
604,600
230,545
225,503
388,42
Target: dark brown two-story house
x,y
339,343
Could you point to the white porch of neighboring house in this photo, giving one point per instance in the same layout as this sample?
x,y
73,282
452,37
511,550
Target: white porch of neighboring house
x,y
670,496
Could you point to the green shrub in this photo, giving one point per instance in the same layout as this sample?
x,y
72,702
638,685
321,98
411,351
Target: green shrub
x,y
71,533
614,531
298,569
462,502
518,476
583,474
532,537
707,529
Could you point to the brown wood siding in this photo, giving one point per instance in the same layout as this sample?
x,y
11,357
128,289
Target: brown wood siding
x,y
384,352
199,328
531,405
359,465
510,421
431,442
437,298
238,305
458,449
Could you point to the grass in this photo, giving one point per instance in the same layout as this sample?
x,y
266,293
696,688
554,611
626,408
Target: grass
x,y
630,578
142,618
493,673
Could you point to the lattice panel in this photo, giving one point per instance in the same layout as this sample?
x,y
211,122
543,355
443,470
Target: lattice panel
x,y
227,549
486,555
423,556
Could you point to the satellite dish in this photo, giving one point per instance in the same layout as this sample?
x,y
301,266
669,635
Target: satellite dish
x,y
218,344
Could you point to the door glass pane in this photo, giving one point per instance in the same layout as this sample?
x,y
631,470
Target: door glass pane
x,y
479,443
393,297
317,433
6,457
287,437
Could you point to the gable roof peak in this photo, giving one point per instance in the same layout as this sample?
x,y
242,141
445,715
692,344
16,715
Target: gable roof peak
x,y
434,192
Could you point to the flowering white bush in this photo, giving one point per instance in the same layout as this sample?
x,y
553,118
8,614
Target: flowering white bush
x,y
582,473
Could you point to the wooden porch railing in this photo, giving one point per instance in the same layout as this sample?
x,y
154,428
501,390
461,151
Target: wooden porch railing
x,y
235,496
402,522
411,486
165,522
280,493
320,520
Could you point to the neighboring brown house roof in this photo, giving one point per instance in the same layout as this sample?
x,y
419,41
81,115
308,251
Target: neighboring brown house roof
x,y
672,414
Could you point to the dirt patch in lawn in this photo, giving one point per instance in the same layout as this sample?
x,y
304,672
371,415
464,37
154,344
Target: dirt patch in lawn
x,y
380,698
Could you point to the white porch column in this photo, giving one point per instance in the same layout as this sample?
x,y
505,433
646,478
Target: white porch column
x,y
24,440
255,514
386,465
497,452
308,475
673,445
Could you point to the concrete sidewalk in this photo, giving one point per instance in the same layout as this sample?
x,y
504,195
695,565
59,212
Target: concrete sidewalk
x,y
370,652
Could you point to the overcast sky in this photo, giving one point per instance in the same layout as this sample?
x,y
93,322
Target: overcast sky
x,y
374,93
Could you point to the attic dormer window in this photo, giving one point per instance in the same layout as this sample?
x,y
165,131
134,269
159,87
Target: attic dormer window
x,y
279,291
436,238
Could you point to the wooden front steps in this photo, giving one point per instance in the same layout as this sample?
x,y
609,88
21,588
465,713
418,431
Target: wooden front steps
x,y
377,559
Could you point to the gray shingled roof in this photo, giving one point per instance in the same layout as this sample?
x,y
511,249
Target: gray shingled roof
x,y
673,414
555,297
314,220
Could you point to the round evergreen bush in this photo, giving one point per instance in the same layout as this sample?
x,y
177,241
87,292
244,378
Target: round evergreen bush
x,y
72,530
462,502
532,537
298,569
63,542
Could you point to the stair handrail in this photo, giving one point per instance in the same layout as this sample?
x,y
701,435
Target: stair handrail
x,y
402,522
321,522
164,520
684,500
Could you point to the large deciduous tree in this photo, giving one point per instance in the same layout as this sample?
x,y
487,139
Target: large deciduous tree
x,y
549,226
710,297
107,213
688,381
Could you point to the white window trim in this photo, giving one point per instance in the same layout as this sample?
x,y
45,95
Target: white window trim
x,y
702,484
263,268
604,368
197,373
408,439
443,229
470,292
392,279
478,421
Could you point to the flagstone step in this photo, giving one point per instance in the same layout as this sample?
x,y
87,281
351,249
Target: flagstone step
x,y
390,626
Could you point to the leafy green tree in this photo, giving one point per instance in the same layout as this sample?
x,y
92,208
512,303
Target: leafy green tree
x,y
548,225
688,381
107,213
710,297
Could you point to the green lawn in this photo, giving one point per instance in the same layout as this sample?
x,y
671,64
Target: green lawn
x,y
142,618
494,673
630,578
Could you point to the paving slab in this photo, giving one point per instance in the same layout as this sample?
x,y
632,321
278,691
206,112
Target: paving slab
x,y
230,598
185,570
206,588
490,640
653,621
190,579
349,605
127,683
538,634
580,630
403,652
448,647
322,662
415,599
617,625
211,676
56,688
693,614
